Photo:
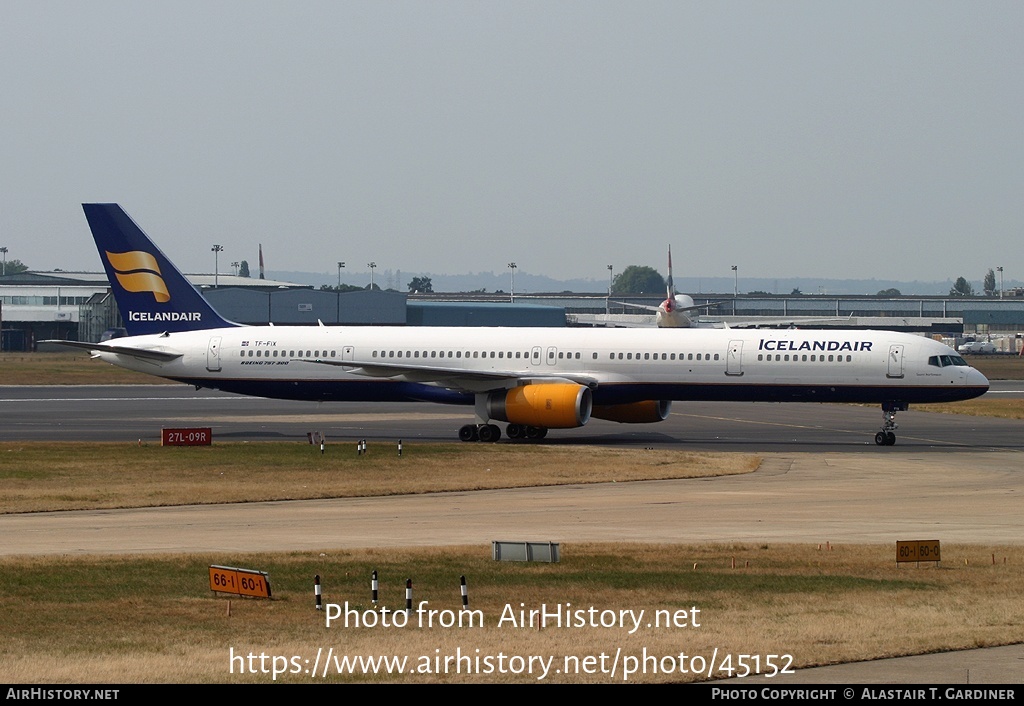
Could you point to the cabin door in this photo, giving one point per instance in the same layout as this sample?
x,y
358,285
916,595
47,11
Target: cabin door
x,y
895,361
213,355
734,360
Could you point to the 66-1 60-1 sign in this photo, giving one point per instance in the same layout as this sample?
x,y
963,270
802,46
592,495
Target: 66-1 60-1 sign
x,y
244,582
195,436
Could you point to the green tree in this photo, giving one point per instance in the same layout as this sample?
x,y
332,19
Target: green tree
x,y
343,288
243,268
638,279
423,285
961,288
989,285
796,292
890,292
13,267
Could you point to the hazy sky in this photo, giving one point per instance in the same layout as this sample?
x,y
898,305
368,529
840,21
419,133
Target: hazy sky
x,y
861,139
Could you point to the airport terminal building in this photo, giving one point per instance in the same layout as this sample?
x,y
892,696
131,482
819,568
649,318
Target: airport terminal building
x,y
36,306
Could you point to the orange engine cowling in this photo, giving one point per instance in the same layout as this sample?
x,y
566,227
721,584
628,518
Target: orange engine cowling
x,y
635,412
550,405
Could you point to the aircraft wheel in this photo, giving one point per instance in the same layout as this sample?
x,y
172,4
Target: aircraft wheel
x,y
536,432
489,433
515,431
880,439
890,438
468,433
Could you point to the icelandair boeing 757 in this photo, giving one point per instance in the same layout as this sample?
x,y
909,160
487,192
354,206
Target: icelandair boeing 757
x,y
534,379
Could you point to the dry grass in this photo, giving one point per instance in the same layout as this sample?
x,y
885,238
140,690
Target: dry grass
x,y
74,476
153,619
74,368
999,367
1000,407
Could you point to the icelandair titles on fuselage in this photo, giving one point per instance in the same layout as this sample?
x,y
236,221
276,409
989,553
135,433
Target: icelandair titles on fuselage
x,y
164,316
769,344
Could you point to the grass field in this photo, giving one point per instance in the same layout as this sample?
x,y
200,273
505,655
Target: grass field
x,y
154,619
74,368
40,476
1004,408
999,367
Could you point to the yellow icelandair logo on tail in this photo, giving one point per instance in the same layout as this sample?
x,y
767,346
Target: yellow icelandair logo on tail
x,y
137,271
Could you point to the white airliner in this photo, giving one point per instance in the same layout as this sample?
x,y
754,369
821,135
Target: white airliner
x,y
534,379
676,311
673,312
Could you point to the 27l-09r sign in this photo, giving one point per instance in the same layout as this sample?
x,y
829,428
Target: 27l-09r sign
x,y
198,436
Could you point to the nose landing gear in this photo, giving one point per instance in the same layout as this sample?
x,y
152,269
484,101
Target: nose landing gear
x,y
887,436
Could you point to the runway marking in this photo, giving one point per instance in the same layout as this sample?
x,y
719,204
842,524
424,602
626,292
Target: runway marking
x,y
754,421
934,442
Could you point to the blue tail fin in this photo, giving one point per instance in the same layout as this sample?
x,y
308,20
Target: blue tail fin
x,y
151,293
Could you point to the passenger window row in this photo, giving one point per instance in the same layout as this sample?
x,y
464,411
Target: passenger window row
x,y
273,353
805,358
662,356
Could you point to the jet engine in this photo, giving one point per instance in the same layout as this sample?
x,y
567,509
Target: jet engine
x,y
548,405
635,412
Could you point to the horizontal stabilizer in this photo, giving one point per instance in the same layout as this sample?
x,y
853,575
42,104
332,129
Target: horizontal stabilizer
x,y
145,354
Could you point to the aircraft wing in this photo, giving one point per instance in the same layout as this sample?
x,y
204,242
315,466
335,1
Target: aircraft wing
x,y
647,307
452,378
644,307
147,354
614,320
791,321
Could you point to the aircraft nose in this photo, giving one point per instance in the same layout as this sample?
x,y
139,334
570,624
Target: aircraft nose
x,y
976,379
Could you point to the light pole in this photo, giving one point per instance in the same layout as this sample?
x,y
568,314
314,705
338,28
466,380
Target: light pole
x,y
1000,271
608,302
217,250
735,287
512,288
234,266
372,266
341,266
4,251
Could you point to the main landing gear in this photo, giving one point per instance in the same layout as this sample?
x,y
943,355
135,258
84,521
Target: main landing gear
x,y
887,436
489,433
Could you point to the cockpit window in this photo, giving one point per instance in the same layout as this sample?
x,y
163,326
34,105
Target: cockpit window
x,y
942,361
